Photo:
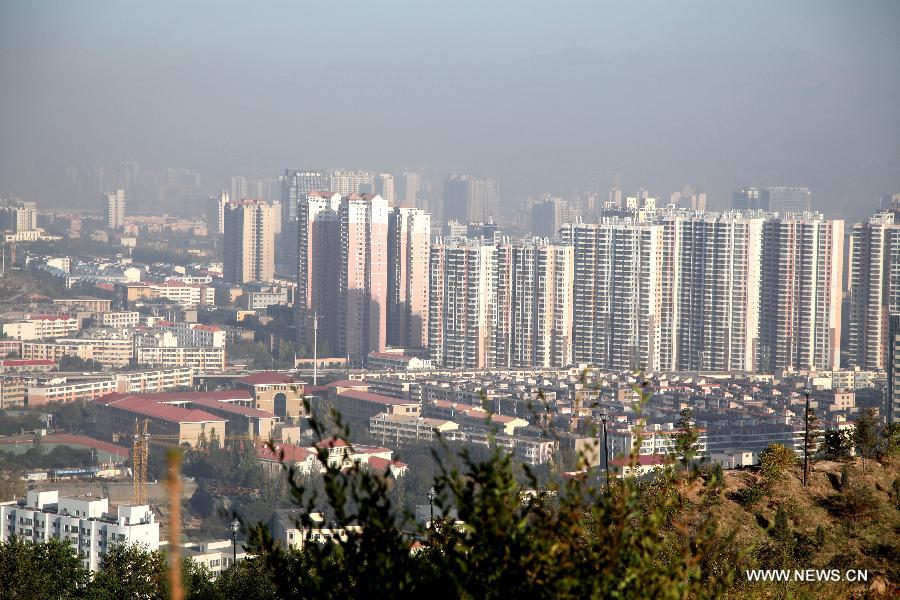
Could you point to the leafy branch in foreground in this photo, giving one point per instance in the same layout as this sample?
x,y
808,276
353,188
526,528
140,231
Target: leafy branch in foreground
x,y
563,540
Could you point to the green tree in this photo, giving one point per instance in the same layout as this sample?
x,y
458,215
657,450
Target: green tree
x,y
686,448
866,435
45,570
837,444
128,571
565,540
774,462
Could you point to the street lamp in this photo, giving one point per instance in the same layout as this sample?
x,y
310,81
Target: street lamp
x,y
806,438
431,496
235,527
604,417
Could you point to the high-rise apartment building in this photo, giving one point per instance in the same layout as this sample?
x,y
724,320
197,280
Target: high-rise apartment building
x,y
351,182
874,289
786,199
384,187
892,393
462,298
249,241
618,294
548,217
408,188
363,276
409,232
114,209
343,272
215,213
239,188
295,186
746,199
801,292
471,199
711,292
16,215
533,291
319,240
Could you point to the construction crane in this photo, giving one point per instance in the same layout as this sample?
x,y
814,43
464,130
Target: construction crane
x,y
140,455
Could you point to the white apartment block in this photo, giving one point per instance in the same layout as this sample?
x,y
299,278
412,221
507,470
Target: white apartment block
x,y
113,351
200,359
462,303
351,182
655,440
154,380
801,293
191,334
17,216
215,555
618,294
85,523
534,312
64,390
712,292
114,209
874,289
118,320
405,429
41,327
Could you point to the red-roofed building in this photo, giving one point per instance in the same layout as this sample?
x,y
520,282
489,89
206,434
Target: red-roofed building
x,y
20,365
167,423
360,405
275,392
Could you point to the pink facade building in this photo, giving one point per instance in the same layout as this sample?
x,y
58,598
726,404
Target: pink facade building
x,y
409,231
343,265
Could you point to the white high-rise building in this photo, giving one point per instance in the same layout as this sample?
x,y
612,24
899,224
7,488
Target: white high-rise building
x,y
618,294
114,209
215,213
533,324
384,187
351,182
462,298
85,523
801,292
874,289
712,291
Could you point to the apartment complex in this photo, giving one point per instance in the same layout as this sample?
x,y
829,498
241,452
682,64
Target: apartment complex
x,y
41,327
343,272
85,523
297,184
874,265
409,233
201,359
249,241
184,294
469,199
618,294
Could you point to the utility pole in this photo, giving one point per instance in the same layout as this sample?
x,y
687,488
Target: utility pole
x,y
806,438
315,347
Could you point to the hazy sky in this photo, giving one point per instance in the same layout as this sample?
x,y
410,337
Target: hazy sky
x,y
716,94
